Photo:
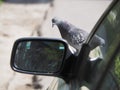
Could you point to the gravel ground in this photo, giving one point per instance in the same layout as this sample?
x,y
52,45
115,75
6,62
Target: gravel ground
x,y
18,20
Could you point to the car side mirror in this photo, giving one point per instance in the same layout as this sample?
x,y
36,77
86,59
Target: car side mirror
x,y
40,56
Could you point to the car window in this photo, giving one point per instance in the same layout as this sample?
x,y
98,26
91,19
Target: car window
x,y
112,78
109,31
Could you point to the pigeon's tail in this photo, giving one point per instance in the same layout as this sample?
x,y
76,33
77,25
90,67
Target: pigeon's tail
x,y
97,41
102,42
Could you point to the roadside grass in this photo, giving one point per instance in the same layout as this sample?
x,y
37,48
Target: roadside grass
x,y
1,1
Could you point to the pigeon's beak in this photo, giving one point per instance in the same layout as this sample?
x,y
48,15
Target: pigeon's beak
x,y
53,24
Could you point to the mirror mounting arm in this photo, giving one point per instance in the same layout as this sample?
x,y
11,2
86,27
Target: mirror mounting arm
x,y
68,68
82,62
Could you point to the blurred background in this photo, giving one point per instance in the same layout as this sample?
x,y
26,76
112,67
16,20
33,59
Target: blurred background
x,y
24,18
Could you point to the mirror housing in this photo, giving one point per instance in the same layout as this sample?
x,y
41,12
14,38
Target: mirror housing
x,y
39,56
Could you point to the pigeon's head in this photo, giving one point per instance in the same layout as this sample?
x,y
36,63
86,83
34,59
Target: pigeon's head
x,y
62,25
56,21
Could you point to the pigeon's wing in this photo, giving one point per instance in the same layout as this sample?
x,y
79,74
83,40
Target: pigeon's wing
x,y
76,39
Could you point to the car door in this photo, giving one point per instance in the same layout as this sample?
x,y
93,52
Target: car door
x,y
104,72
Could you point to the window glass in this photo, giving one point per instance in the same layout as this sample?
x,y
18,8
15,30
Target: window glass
x,y
104,42
112,78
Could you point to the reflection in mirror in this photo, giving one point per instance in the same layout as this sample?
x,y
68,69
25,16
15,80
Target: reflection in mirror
x,y
39,56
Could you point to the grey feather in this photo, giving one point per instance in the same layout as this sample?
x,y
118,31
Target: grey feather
x,y
75,36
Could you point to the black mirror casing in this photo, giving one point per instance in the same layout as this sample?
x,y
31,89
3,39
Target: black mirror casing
x,y
18,55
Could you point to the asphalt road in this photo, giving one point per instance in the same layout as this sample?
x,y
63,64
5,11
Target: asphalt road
x,y
82,13
28,1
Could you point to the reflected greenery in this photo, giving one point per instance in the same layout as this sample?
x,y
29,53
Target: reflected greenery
x,y
117,67
39,56
1,1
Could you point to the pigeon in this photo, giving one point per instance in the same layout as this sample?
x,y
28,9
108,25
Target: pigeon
x,y
75,36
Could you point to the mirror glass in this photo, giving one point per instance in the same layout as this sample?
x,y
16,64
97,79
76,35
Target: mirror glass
x,y
39,56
